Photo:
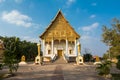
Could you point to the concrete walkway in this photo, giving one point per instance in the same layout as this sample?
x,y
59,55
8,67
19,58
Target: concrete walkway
x,y
56,72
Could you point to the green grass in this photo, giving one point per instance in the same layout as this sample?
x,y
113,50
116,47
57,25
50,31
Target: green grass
x,y
115,76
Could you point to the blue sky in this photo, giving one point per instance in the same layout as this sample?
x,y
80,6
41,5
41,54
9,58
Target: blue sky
x,y
27,19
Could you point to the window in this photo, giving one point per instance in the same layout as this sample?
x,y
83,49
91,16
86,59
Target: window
x,y
49,52
70,51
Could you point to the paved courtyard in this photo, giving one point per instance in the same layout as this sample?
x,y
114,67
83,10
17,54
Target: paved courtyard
x,y
56,72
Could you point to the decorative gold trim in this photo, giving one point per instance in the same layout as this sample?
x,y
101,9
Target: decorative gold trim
x,y
59,29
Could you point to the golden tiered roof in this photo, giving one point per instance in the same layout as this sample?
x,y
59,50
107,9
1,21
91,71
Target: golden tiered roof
x,y
59,29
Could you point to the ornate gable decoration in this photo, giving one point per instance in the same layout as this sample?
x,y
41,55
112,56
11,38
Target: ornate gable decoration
x,y
59,29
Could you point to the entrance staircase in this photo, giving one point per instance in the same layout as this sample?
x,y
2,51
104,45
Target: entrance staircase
x,y
59,60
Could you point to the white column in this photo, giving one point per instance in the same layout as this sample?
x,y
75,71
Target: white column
x,y
43,41
52,46
75,47
66,46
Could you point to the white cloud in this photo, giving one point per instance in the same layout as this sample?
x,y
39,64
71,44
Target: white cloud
x,y
15,17
93,16
94,4
28,38
2,1
90,42
85,37
69,2
90,27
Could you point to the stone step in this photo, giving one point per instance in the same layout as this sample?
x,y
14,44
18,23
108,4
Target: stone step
x,y
72,59
59,60
47,63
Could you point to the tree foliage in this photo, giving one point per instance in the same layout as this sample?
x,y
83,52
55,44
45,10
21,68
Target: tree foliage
x,y
87,56
105,56
10,57
28,49
111,37
104,68
14,49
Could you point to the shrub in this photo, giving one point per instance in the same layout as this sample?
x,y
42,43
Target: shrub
x,y
104,68
10,61
118,63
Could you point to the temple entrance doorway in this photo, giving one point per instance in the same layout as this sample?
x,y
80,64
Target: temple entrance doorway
x,y
59,53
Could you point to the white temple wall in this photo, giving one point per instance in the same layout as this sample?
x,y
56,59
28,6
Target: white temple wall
x,y
59,46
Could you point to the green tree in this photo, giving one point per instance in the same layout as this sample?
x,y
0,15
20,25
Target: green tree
x,y
28,49
15,48
10,58
111,37
87,56
105,56
24,47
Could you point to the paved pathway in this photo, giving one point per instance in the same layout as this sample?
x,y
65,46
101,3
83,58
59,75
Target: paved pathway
x,y
56,72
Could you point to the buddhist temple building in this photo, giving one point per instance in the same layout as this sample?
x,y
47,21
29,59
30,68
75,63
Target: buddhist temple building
x,y
59,40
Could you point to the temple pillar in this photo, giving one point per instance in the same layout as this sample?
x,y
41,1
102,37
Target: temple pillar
x,y
75,47
52,46
43,41
66,46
